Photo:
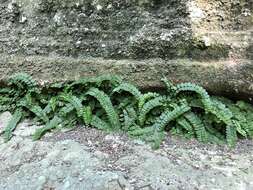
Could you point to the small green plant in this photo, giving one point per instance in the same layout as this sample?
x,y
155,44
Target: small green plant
x,y
107,103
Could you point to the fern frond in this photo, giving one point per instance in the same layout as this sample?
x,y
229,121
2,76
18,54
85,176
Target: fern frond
x,y
106,104
49,126
148,134
221,112
171,88
128,88
198,126
23,81
239,128
132,112
128,121
184,124
114,81
244,106
138,131
231,135
130,117
4,108
69,122
169,116
205,98
87,115
37,110
212,138
74,101
156,139
151,104
99,123
146,97
51,105
12,125
64,111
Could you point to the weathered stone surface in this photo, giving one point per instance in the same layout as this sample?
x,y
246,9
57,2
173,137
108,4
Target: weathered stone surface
x,y
232,78
92,160
4,120
197,29
214,39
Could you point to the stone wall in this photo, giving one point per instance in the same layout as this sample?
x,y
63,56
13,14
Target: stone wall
x,y
199,31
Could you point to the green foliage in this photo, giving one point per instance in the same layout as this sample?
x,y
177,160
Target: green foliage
x,y
49,126
168,116
74,101
99,123
171,88
128,88
107,103
87,115
146,97
189,87
12,125
23,81
151,104
198,126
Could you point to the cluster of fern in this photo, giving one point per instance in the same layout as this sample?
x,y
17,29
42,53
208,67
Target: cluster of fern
x,y
108,103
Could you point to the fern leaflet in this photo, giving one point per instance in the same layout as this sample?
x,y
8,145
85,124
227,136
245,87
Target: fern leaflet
x,y
106,104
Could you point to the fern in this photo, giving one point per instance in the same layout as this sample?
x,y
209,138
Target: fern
x,y
198,126
138,131
239,128
106,104
23,81
186,107
146,97
231,135
74,101
205,98
155,139
49,126
244,106
99,123
114,80
38,112
128,121
184,124
128,88
156,102
12,125
130,117
148,134
169,116
171,88
87,115
64,111
221,112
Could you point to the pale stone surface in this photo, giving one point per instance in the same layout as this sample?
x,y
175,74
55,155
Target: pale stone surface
x,y
4,120
92,160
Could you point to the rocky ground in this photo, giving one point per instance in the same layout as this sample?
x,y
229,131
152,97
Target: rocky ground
x,y
85,158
